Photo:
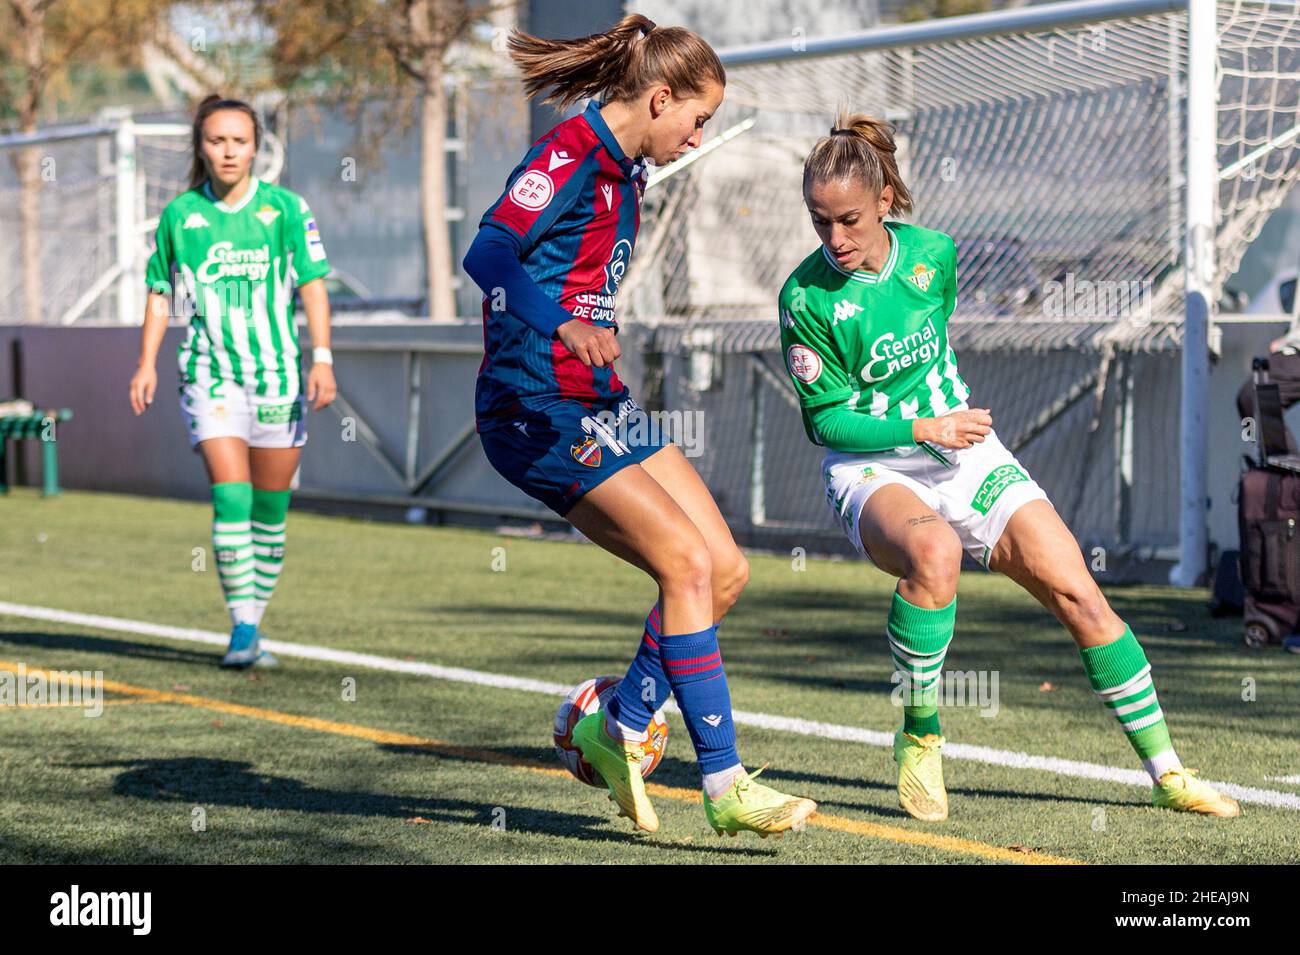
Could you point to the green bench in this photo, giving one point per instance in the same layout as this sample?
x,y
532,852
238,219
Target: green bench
x,y
43,426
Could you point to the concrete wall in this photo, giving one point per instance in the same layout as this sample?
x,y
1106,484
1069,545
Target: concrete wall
x,y
106,448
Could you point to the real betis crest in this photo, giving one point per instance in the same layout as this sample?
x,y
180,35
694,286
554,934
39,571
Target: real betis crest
x,y
267,214
921,277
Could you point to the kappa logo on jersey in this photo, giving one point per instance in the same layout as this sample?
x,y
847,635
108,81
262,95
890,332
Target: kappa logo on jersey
x,y
558,158
608,192
267,214
889,356
225,261
787,318
845,309
195,220
534,190
921,277
586,451
619,257
804,363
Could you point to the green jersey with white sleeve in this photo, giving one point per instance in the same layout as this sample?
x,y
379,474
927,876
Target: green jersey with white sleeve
x,y
875,342
235,268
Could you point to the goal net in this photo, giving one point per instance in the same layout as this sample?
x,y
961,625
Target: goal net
x,y
1050,143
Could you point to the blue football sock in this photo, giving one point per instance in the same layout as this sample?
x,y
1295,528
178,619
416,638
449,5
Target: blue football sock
x,y
645,688
693,665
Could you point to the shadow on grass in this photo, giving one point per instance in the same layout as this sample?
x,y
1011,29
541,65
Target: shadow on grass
x,y
232,784
109,645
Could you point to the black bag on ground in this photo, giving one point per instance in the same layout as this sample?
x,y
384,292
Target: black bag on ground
x,y
1268,516
1269,520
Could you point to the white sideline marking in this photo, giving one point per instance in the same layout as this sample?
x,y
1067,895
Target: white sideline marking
x,y
784,724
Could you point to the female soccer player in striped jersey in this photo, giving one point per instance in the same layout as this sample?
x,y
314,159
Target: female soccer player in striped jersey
x,y
553,415
915,476
236,246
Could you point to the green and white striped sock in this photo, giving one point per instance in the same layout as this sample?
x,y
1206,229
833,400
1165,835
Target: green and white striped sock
x,y
1121,677
270,510
232,545
918,642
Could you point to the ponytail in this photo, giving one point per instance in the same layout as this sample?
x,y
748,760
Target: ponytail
x,y
210,105
859,147
620,63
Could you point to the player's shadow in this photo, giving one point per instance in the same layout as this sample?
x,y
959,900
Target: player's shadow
x,y
113,646
206,782
808,784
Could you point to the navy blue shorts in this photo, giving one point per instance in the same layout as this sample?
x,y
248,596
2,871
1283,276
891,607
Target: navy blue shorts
x,y
557,451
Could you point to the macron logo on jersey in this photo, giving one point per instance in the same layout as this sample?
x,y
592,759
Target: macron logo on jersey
x,y
195,220
608,192
558,158
845,309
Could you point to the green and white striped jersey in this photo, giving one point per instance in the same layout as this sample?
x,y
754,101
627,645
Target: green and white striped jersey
x,y
235,270
877,342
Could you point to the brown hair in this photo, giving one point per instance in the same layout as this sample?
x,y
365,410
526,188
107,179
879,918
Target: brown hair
x,y
210,105
859,147
620,63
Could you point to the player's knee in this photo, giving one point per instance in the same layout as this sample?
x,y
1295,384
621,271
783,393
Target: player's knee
x,y
687,566
730,575
1079,600
934,564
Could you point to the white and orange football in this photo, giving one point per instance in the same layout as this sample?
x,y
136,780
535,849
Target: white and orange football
x,y
588,697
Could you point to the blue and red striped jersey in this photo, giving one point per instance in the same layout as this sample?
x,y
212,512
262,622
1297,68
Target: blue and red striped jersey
x,y
574,204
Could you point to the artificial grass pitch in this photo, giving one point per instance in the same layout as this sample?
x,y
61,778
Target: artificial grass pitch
x,y
321,761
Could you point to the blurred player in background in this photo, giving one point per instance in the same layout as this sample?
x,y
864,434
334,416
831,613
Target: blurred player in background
x,y
237,246
556,421
915,476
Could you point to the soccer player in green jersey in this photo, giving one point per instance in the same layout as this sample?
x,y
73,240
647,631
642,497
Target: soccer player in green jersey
x,y
915,476
229,251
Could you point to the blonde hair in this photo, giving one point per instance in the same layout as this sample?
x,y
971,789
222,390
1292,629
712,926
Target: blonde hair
x,y
859,147
620,63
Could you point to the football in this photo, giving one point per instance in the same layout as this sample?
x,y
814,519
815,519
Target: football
x,y
586,698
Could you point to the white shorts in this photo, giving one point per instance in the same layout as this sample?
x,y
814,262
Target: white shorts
x,y
976,495
227,410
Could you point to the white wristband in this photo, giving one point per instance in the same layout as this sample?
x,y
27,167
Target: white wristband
x,y
320,355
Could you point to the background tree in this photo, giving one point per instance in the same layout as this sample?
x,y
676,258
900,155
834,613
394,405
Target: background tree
x,y
40,42
401,50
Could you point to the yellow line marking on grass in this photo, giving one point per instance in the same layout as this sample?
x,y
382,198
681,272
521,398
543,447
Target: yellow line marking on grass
x,y
79,706
856,827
